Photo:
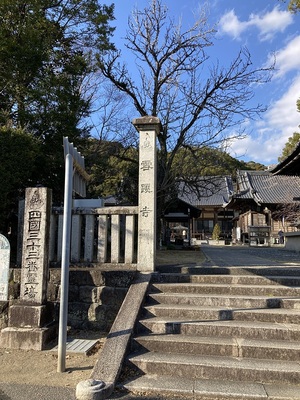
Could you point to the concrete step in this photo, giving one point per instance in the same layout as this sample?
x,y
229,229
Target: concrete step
x,y
222,333
293,303
229,279
226,289
216,346
207,389
275,315
216,300
231,329
213,367
212,270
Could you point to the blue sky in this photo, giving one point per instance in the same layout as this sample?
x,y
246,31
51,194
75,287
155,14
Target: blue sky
x,y
264,27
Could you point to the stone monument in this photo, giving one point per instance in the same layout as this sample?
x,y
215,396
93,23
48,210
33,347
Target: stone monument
x,y
4,267
30,323
148,128
4,273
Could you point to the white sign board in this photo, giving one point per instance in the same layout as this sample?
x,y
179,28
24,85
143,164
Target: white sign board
x,y
4,267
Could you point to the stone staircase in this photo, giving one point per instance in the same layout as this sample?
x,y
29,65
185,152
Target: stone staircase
x,y
218,333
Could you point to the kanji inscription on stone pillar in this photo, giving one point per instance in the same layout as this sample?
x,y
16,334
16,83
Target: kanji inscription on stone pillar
x,y
148,128
34,273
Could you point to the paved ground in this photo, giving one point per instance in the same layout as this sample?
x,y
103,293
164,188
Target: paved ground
x,y
23,391
243,256
240,256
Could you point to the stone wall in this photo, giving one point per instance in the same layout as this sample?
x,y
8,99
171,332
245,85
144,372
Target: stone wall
x,y
95,295
3,314
292,241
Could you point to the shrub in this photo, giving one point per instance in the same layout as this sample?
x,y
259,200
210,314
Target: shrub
x,y
216,232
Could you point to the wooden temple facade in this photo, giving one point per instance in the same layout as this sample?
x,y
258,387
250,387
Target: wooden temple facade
x,y
255,207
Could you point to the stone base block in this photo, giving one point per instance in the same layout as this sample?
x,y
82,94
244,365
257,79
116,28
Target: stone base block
x,y
3,314
29,316
27,338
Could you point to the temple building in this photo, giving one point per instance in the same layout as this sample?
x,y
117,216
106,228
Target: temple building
x,y
254,207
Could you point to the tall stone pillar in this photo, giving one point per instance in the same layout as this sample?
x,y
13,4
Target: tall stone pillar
x,y
34,273
30,320
4,267
148,128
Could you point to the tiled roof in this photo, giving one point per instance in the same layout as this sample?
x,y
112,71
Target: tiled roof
x,y
207,191
265,188
262,187
290,165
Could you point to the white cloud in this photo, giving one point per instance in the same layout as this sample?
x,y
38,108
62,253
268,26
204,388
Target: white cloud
x,y
271,23
288,58
230,24
269,137
283,113
268,24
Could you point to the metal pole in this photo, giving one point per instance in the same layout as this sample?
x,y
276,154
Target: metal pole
x,y
64,287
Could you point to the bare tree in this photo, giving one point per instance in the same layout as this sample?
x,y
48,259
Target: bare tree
x,y
289,212
108,119
198,103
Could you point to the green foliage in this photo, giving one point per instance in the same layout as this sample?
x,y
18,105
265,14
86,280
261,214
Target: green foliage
x,y
113,169
253,166
290,146
47,49
216,232
48,53
18,168
294,6
191,162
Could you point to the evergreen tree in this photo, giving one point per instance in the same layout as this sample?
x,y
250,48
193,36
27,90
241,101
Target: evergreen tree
x,y
294,6
290,146
47,55
18,170
113,169
216,232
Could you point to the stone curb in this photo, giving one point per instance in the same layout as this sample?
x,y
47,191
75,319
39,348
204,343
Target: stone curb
x,y
107,368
